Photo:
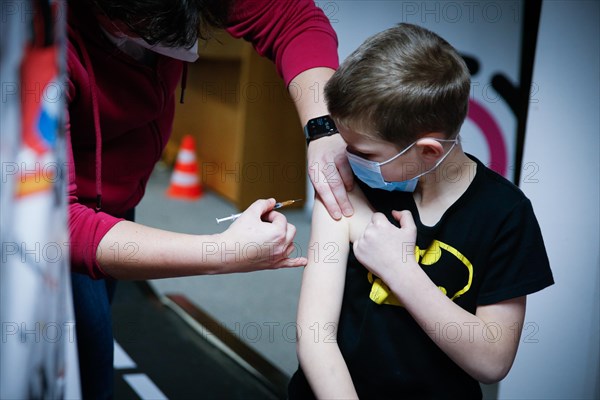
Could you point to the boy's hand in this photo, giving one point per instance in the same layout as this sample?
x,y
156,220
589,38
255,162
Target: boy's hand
x,y
331,175
259,239
383,248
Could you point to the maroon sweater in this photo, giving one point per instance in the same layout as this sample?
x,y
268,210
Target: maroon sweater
x,y
120,112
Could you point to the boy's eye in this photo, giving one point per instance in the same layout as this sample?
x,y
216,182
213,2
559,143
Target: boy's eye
x,y
358,153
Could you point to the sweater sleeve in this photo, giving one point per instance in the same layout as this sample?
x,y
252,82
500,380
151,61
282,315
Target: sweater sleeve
x,y
86,227
296,35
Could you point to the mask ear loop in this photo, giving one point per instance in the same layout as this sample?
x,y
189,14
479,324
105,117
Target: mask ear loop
x,y
441,160
397,155
453,141
366,162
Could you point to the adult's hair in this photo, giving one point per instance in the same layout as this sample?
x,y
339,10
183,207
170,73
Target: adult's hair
x,y
170,22
400,84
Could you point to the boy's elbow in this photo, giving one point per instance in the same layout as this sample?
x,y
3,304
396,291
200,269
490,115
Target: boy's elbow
x,y
491,379
302,349
310,351
494,373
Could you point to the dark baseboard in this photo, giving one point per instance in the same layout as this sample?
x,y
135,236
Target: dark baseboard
x,y
269,375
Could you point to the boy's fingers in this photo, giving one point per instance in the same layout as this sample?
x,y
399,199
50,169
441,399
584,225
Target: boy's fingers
x,y
404,218
378,219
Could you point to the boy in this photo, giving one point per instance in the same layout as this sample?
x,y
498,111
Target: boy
x,y
428,301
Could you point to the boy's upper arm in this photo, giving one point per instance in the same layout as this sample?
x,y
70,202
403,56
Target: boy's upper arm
x,y
324,275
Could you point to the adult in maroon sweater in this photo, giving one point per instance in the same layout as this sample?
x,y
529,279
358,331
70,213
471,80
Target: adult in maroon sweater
x,y
121,99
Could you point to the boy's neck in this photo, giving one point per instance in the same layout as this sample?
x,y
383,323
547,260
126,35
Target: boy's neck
x,y
438,190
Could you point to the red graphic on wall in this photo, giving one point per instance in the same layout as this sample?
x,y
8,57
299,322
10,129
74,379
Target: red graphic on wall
x,y
490,129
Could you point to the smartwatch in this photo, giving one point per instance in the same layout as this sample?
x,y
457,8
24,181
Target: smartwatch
x,y
319,127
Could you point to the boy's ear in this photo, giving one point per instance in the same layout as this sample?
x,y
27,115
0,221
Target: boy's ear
x,y
430,149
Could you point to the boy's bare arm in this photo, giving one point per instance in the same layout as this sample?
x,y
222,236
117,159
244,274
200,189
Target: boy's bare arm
x,y
484,344
320,304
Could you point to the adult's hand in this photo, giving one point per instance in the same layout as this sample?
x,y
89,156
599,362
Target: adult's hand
x,y
328,165
259,239
330,174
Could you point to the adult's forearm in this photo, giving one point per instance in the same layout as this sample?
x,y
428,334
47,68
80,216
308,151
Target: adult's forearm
x,y
306,90
259,239
134,251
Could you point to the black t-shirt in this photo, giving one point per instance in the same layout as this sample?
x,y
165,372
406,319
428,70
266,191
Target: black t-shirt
x,y
486,248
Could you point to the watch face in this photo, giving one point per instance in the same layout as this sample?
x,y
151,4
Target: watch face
x,y
321,126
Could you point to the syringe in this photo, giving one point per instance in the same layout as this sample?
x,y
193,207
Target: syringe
x,y
281,204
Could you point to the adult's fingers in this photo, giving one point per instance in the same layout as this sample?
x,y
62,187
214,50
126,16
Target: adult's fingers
x,y
345,171
291,262
325,193
287,247
290,233
338,188
260,207
277,219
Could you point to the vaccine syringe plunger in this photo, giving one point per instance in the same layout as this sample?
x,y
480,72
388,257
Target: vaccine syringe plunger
x,y
277,205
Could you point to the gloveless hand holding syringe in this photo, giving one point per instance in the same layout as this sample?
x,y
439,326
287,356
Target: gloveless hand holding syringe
x,y
277,205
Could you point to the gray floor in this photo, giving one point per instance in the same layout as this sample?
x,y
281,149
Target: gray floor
x,y
258,307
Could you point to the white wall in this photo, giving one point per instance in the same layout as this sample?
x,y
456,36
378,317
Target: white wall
x,y
563,142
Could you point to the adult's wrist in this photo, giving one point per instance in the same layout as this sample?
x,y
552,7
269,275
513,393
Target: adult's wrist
x,y
212,256
319,127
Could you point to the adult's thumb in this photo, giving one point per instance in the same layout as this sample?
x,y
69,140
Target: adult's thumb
x,y
261,206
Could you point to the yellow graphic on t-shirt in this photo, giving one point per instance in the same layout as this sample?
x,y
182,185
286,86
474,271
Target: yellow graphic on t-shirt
x,y
429,257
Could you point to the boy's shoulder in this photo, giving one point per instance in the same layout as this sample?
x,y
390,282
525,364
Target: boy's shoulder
x,y
490,182
363,212
352,225
491,192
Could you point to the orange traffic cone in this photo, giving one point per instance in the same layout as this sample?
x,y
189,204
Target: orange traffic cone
x,y
184,181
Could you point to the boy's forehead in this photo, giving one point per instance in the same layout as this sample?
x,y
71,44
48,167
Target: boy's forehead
x,y
357,137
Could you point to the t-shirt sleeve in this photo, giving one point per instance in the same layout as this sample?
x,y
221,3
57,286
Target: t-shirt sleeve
x,y
296,35
518,264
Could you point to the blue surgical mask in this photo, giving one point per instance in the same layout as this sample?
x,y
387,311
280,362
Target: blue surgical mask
x,y
370,171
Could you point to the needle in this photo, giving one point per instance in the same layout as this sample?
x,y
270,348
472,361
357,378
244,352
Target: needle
x,y
280,204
